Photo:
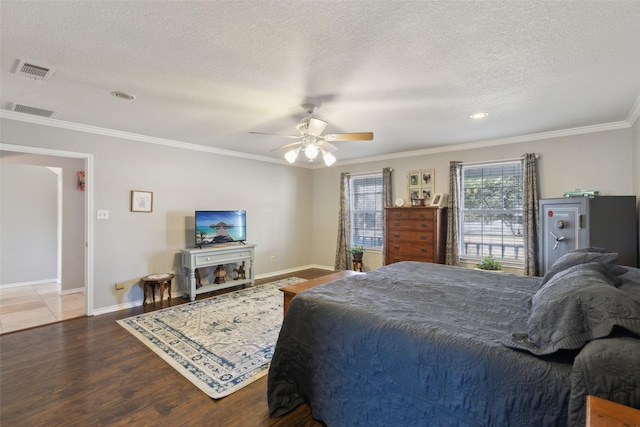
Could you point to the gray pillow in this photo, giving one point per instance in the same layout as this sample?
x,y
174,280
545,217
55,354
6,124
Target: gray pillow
x,y
577,305
576,257
589,249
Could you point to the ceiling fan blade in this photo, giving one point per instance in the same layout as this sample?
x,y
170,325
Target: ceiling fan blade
x,y
316,126
328,147
288,145
357,136
275,134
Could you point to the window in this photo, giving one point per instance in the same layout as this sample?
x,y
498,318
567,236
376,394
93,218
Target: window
x,y
366,210
491,211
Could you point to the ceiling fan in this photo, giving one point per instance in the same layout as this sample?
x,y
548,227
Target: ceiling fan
x,y
312,142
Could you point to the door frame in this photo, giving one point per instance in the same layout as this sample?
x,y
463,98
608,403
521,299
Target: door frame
x,y
88,209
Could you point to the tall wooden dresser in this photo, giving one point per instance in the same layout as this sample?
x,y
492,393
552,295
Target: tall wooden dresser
x,y
415,234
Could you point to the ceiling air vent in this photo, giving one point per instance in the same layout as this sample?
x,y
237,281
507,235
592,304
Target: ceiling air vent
x,y
33,71
32,110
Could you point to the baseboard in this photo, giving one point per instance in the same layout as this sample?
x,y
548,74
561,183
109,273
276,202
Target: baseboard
x,y
111,309
72,291
32,283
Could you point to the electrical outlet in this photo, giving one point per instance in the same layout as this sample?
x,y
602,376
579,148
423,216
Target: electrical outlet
x,y
273,258
119,286
102,214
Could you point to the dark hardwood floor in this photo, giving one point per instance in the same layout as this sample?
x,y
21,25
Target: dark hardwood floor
x,y
90,371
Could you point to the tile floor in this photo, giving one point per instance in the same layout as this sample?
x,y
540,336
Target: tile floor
x,y
28,306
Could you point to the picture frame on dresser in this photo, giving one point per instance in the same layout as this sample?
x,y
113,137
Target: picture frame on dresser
x,y
439,199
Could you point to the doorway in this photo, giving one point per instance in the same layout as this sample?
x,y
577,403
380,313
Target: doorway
x,y
80,283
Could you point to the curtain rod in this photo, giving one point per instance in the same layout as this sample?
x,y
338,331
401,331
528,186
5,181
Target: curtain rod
x,y
489,162
365,173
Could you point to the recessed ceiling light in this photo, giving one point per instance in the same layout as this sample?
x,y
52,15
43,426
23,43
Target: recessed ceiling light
x,y
123,95
479,115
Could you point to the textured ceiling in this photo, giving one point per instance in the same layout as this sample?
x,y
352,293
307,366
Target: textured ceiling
x,y
412,72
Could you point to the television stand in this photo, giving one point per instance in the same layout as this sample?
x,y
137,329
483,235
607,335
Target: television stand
x,y
213,256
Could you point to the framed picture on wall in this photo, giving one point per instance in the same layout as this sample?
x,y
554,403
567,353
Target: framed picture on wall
x,y
141,201
421,185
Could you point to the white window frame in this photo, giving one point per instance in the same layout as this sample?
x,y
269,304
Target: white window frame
x,y
367,233
503,240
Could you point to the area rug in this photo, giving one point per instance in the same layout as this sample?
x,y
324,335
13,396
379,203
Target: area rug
x,y
220,344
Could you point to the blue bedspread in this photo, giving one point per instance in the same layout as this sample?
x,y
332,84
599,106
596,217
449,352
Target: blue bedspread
x,y
416,344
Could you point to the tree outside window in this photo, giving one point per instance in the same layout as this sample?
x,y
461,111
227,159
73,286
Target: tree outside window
x,y
491,210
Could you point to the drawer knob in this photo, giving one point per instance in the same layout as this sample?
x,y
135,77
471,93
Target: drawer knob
x,y
423,237
398,215
396,235
396,224
423,249
424,224
397,248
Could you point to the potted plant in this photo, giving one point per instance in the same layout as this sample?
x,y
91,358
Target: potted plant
x,y
356,253
490,264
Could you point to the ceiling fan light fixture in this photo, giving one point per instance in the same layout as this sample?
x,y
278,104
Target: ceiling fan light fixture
x,y
328,158
292,155
311,151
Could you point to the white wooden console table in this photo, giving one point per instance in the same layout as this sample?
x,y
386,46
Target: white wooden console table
x,y
228,255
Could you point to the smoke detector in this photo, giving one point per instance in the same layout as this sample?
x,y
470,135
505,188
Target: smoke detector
x,y
33,71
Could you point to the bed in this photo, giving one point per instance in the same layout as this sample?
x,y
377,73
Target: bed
x,y
425,344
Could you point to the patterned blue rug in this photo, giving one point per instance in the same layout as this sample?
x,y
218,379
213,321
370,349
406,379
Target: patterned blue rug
x,y
220,344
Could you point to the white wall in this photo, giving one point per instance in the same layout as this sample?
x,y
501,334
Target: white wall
x,y
131,245
601,160
28,224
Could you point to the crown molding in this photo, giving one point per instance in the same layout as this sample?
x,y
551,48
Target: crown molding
x,y
627,123
44,121
492,142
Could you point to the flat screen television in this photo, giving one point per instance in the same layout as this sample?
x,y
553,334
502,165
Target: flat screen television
x,y
214,227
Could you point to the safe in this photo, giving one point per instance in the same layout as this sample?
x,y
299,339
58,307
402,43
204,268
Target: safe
x,y
608,222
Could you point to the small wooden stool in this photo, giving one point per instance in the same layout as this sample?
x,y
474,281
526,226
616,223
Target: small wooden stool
x,y
162,280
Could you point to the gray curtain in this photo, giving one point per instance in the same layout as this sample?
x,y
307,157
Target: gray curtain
x,y
530,215
386,201
344,226
451,253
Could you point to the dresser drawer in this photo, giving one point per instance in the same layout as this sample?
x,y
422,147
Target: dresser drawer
x,y
221,258
422,214
411,249
398,214
410,236
409,225
396,257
